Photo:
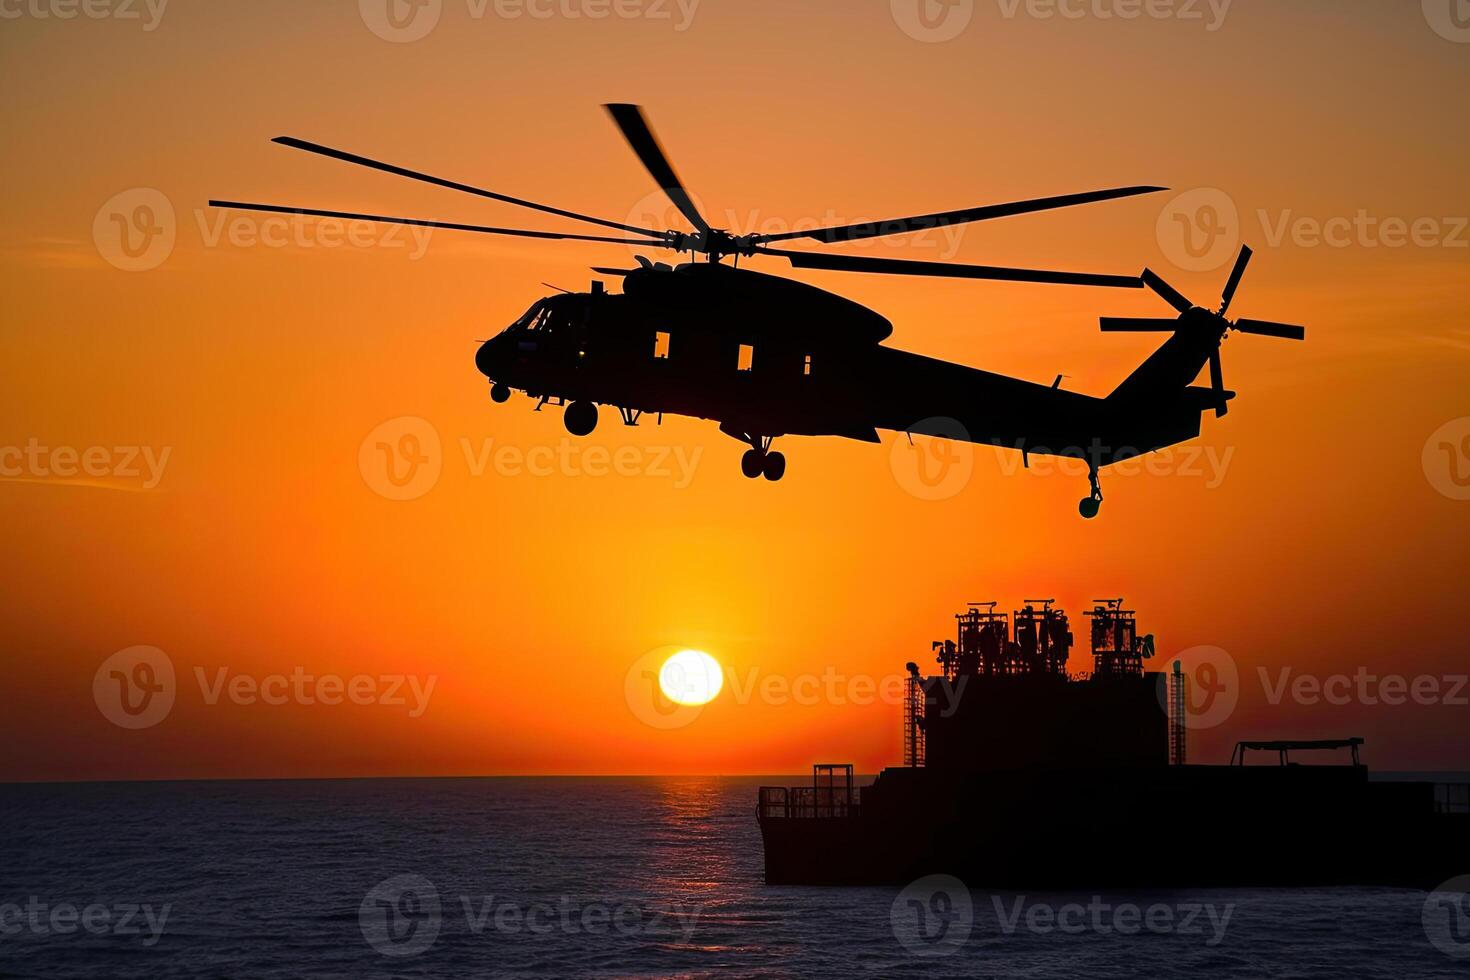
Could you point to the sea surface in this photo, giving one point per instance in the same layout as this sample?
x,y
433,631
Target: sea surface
x,y
550,877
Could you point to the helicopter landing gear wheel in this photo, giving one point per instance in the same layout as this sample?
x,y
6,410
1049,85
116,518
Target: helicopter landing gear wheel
x,y
774,466
580,418
499,393
1088,506
752,464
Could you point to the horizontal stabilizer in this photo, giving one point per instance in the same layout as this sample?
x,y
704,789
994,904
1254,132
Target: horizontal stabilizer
x,y
1207,398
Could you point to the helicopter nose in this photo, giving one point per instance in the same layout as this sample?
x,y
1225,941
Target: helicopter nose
x,y
487,358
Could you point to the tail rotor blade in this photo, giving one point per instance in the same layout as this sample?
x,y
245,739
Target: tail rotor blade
x,y
1170,295
1268,328
1241,262
1217,382
1138,324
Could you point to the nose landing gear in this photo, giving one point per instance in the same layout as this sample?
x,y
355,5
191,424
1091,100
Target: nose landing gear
x,y
580,418
1088,506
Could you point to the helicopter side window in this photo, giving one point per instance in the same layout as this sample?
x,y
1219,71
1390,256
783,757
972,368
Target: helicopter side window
x,y
745,358
806,366
661,345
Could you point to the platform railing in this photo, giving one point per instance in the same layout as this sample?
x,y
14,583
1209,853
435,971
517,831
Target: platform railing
x,y
1452,797
789,802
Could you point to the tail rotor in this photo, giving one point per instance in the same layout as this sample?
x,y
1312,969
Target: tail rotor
x,y
1192,317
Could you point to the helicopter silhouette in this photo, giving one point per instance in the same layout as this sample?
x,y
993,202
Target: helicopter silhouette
x,y
766,356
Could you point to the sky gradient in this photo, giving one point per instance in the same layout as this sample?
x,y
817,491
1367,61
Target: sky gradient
x,y
1308,529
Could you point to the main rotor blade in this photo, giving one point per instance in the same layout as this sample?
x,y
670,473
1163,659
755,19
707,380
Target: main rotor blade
x,y
1138,324
1171,295
362,161
1241,261
906,267
484,229
923,222
635,129
1268,328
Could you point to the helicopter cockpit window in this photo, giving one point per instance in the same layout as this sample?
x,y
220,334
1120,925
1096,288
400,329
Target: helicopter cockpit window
x,y
531,318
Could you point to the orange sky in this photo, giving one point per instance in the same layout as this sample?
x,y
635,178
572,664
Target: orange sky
x,y
261,368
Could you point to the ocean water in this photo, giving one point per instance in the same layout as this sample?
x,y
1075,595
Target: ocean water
x,y
657,877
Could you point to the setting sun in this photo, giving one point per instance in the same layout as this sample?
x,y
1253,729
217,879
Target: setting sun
x,y
691,677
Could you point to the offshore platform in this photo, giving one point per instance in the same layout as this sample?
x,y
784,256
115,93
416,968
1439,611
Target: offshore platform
x,y
1021,773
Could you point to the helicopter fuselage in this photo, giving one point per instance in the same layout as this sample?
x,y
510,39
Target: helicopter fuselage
x,y
766,357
